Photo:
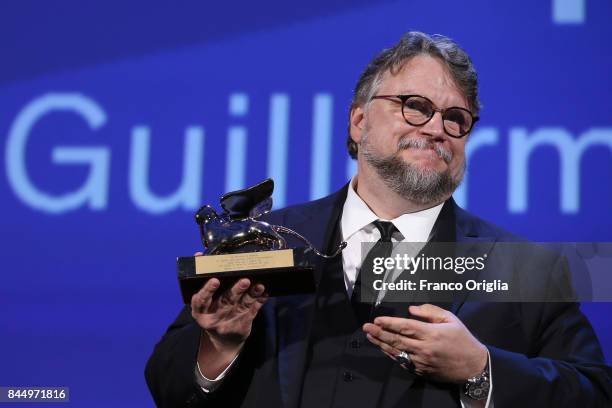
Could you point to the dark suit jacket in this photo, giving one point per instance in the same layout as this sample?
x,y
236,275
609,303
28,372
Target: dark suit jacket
x,y
542,353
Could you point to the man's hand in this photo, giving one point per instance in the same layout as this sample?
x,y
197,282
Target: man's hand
x,y
439,345
226,320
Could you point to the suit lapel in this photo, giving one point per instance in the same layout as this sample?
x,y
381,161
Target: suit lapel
x,y
455,234
295,313
471,243
458,234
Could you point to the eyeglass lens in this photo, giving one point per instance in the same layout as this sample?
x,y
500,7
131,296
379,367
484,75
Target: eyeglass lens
x,y
418,111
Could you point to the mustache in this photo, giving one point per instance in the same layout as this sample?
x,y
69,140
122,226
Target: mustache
x,y
418,143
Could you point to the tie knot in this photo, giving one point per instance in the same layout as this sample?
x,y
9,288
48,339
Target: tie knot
x,y
386,229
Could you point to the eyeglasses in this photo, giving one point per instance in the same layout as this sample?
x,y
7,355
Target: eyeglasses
x,y
418,110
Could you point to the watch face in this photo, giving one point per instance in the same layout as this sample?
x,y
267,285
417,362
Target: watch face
x,y
478,391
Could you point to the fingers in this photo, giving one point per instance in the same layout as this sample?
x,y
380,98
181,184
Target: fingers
x,y
256,290
410,346
392,353
431,313
198,253
394,342
253,295
242,295
200,302
406,327
385,347
391,356
236,292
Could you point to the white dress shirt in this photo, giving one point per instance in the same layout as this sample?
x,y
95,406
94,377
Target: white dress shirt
x,y
356,227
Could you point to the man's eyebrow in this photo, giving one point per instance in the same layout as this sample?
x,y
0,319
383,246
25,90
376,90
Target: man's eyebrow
x,y
412,92
408,92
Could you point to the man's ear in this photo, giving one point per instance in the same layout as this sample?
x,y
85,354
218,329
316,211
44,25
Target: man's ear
x,y
357,123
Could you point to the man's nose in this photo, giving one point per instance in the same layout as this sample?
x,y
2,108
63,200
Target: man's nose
x,y
435,126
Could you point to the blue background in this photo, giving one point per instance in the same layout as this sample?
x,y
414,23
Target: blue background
x,y
88,290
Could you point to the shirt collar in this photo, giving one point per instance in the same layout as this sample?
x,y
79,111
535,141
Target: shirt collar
x,y
415,227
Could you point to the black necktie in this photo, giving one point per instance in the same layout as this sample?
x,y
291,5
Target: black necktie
x,y
364,295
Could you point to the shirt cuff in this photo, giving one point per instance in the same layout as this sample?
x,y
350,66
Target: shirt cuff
x,y
210,385
467,402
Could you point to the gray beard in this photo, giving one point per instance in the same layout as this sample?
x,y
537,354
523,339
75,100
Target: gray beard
x,y
421,186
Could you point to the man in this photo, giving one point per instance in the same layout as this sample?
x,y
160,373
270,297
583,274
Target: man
x,y
411,115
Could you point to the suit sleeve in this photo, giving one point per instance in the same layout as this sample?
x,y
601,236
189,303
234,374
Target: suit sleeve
x,y
170,370
565,366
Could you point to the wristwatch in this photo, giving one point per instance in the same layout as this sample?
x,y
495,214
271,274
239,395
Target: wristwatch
x,y
477,388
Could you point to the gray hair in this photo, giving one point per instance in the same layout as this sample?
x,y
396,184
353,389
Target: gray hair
x,y
393,59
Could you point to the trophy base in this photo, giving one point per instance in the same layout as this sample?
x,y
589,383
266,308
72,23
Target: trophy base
x,y
282,272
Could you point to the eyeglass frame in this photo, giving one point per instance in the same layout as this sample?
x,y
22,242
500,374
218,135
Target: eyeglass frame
x,y
404,98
